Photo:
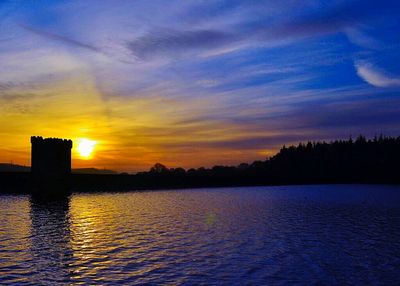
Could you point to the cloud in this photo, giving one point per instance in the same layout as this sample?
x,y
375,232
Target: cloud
x,y
175,42
253,25
361,38
261,142
375,76
60,38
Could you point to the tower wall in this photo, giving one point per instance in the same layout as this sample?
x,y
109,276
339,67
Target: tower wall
x,y
50,156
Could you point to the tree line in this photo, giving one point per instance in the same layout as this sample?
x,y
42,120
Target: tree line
x,y
361,160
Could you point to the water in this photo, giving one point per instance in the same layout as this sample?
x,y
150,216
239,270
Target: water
x,y
232,236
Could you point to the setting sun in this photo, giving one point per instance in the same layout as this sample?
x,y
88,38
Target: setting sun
x,y
85,147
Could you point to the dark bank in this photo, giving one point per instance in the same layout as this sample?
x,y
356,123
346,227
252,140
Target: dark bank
x,y
369,161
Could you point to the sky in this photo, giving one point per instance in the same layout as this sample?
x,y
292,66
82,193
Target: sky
x,y
195,83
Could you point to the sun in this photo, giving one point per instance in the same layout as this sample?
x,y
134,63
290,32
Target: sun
x,y
85,147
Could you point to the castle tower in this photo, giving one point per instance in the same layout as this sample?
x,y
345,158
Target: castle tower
x,y
50,160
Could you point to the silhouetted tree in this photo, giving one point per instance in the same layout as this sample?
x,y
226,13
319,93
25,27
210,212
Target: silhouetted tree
x,y
159,168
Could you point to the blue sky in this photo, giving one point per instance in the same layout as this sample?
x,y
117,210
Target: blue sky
x,y
193,83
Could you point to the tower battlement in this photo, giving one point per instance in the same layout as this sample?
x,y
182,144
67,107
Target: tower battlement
x,y
51,141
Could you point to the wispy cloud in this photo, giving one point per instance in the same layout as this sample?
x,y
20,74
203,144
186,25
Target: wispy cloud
x,y
358,37
61,38
176,42
253,26
375,76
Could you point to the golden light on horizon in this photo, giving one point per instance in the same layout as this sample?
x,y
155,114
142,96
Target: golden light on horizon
x,y
86,147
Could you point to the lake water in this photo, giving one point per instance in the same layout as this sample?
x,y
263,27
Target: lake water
x,y
336,235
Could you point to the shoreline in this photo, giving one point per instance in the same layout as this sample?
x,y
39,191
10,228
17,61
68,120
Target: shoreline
x,y
22,183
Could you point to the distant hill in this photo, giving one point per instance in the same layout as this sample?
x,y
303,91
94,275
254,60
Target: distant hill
x,y
6,167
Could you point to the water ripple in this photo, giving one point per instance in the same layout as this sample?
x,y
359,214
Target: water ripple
x,y
235,236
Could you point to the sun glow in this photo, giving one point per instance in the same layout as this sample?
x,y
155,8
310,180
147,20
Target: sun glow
x,y
85,147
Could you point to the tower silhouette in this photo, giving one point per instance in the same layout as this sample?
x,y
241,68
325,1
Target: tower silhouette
x,y
50,162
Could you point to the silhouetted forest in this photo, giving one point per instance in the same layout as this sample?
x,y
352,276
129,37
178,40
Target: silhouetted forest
x,y
342,161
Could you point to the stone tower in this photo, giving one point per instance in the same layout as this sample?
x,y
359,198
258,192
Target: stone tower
x,y
50,160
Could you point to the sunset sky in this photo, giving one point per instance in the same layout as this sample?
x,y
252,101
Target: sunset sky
x,y
195,83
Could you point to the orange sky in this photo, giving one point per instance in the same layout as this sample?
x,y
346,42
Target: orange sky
x,y
131,133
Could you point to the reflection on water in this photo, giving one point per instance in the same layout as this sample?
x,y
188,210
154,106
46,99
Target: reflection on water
x,y
50,240
273,235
